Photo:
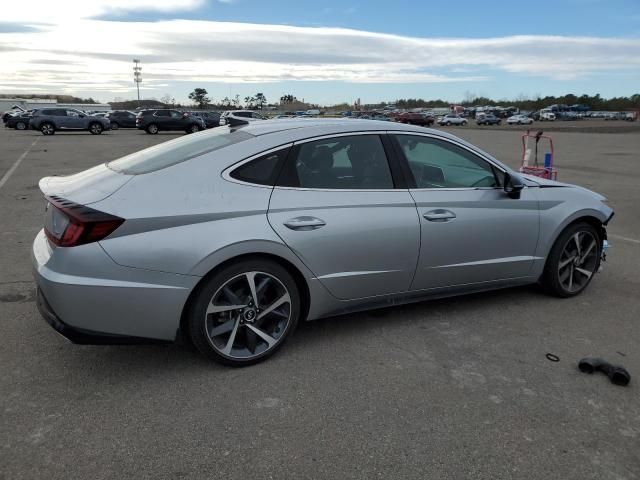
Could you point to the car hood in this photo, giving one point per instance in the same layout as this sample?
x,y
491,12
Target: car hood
x,y
85,187
545,183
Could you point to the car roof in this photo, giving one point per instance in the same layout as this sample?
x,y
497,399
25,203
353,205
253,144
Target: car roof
x,y
329,126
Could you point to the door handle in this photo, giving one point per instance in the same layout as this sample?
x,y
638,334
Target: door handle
x,y
304,223
439,215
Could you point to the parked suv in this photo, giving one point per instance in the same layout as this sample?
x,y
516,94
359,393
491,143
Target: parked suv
x,y
154,121
239,117
50,120
413,118
452,119
488,120
122,118
211,119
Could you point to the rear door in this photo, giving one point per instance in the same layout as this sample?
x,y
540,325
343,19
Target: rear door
x,y
340,209
177,120
471,230
74,119
162,119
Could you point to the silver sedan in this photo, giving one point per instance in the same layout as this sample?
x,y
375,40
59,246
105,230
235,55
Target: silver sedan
x,y
231,236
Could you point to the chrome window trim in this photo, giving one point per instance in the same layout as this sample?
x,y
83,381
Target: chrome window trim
x,y
453,142
226,173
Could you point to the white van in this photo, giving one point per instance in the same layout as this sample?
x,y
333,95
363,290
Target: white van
x,y
547,116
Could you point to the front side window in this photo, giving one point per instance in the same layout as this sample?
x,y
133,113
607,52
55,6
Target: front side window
x,y
350,162
175,114
440,164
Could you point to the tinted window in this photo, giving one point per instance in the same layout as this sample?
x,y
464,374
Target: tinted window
x,y
162,113
243,114
351,162
263,170
176,151
440,164
175,114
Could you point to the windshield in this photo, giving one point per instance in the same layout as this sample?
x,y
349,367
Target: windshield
x,y
176,151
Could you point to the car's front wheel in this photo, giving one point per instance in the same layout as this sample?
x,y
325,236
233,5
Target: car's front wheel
x,y
194,128
573,261
242,314
114,125
95,128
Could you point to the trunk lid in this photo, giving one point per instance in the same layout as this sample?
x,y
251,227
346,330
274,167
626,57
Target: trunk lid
x,y
86,187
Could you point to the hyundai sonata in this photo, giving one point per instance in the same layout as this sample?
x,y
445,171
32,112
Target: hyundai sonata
x,y
230,237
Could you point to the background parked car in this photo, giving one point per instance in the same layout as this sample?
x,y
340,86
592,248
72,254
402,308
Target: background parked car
x,y
50,120
415,118
488,119
519,120
452,119
547,116
154,121
239,117
122,119
19,121
211,119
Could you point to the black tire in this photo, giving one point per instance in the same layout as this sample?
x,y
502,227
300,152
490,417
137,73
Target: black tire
x,y
499,123
95,128
193,128
115,126
448,124
519,122
21,126
464,124
551,278
47,128
197,317
152,129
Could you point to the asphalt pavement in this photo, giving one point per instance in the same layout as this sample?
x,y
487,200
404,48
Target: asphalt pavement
x,y
449,389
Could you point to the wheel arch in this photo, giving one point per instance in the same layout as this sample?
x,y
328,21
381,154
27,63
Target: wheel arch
x,y
293,270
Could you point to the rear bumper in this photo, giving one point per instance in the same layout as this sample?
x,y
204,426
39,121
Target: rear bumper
x,y
82,336
84,295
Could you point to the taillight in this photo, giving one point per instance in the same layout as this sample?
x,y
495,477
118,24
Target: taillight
x,y
68,224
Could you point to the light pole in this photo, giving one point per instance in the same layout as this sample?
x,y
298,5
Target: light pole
x,y
137,76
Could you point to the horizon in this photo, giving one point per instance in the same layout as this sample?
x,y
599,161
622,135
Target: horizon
x,y
330,55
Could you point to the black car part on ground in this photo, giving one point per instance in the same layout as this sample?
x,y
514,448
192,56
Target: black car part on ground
x,y
616,373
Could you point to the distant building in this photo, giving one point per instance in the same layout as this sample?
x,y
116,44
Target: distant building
x,y
33,103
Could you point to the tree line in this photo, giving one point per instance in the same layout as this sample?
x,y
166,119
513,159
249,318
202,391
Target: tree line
x,y
594,102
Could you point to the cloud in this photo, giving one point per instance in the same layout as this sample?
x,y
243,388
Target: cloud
x,y
93,54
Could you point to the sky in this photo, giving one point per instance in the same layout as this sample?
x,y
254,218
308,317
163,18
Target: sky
x,y
325,52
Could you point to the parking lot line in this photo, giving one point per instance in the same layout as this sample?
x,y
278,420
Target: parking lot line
x,y
17,163
625,239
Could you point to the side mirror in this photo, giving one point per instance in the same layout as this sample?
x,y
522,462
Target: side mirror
x,y
513,185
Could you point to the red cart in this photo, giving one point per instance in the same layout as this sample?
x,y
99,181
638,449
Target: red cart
x,y
543,145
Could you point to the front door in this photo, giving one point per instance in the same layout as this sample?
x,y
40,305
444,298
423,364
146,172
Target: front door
x,y
472,231
336,208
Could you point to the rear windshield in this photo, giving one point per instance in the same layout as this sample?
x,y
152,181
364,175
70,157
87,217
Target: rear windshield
x,y
176,151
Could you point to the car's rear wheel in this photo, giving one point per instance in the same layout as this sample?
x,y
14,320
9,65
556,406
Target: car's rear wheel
x,y
448,124
244,313
115,126
573,261
464,124
95,128
21,126
152,128
47,128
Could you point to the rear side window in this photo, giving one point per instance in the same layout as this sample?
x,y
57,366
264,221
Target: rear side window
x,y
263,170
177,151
349,162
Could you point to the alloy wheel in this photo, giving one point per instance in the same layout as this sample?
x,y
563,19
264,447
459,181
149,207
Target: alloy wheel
x,y
46,129
248,315
21,126
95,128
578,261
